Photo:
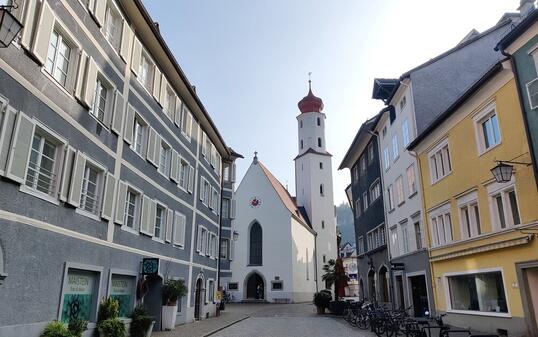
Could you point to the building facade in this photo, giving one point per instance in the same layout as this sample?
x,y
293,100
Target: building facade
x,y
106,141
348,254
362,159
481,231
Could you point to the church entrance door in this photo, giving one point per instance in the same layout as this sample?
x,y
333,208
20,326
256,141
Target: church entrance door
x,y
255,287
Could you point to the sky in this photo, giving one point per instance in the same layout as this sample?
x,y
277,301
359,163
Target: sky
x,y
250,59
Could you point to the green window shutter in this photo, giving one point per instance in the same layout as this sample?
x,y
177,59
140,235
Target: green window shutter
x,y
136,57
76,180
152,214
43,32
100,10
88,92
174,168
157,84
108,196
81,75
169,225
20,148
120,203
177,117
179,229
125,41
117,119
6,132
69,160
31,8
128,128
145,214
191,179
152,141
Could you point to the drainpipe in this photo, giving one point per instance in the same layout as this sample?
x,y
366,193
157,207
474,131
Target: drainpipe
x,y
316,260
220,227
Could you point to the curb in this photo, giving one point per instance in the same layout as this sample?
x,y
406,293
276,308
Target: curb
x,y
225,326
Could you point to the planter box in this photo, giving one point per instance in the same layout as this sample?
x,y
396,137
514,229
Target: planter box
x,y
169,314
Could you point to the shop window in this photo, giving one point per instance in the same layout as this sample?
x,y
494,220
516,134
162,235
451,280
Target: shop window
x,y
122,289
79,298
277,285
482,292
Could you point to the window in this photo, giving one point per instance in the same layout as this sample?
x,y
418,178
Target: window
x,y
386,158
226,172
322,224
101,100
395,150
319,142
375,191
255,248
90,198
233,286
170,103
411,182
277,285
405,132
146,72
300,124
122,288
403,102
210,290
160,221
384,131
441,227
319,121
79,296
301,144
224,244
225,208
394,241
42,166
363,164
418,235
470,219
390,197
208,147
59,58
482,292
440,165
382,234
370,153
505,209
186,125
365,200
164,160
324,258
489,131
400,198
361,245
201,243
205,189
321,192
140,132
532,92
131,209
184,169
358,207
113,27
320,165
356,173
405,238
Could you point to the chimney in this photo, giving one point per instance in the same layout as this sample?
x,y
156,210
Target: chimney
x,y
193,88
156,24
525,7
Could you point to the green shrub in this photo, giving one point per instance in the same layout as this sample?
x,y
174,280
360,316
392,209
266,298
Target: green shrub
x,y
322,299
77,327
171,290
56,329
140,322
112,327
108,308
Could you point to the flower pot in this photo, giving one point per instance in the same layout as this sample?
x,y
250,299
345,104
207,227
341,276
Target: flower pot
x,y
150,329
169,313
320,310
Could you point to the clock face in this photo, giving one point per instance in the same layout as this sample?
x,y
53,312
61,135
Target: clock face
x,y
255,202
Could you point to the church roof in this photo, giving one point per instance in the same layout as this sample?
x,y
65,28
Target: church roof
x,y
299,213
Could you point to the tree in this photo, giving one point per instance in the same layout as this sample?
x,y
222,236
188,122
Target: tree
x,y
335,274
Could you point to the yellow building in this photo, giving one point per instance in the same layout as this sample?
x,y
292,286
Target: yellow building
x,y
484,255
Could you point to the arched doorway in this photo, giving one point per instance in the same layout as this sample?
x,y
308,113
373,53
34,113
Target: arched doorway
x,y
361,290
255,287
371,286
198,296
383,285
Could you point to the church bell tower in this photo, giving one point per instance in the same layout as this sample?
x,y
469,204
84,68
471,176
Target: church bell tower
x,y
313,179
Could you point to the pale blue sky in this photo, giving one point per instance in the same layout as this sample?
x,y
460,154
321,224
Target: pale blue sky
x,y
249,60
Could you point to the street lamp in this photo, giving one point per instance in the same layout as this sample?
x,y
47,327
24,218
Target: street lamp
x,y
235,235
502,172
9,25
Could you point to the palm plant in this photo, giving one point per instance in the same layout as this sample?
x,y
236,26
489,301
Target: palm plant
x,y
335,274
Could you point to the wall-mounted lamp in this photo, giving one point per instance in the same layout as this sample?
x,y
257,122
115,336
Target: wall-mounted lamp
x,y
502,172
235,235
9,25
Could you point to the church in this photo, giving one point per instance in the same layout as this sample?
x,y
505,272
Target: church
x,y
281,242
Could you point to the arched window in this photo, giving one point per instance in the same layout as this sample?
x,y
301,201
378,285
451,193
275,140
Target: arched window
x,y
255,253
2,271
321,189
319,141
319,121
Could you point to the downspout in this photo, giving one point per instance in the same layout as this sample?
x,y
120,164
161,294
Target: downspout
x,y
220,228
316,260
523,112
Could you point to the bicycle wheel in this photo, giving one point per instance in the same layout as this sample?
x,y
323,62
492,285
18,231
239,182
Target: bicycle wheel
x,y
362,321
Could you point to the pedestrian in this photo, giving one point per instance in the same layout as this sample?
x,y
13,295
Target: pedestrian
x,y
259,292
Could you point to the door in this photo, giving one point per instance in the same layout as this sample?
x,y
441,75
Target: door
x,y
400,291
255,287
531,286
419,294
198,299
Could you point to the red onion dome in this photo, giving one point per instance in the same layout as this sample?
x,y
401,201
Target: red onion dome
x,y
310,103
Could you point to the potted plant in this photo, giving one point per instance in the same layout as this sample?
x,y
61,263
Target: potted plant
x,y
56,329
77,326
108,323
171,291
141,323
321,301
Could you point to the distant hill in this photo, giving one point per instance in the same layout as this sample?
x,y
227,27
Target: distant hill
x,y
344,222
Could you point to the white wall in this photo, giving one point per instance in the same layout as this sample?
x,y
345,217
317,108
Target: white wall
x,y
304,284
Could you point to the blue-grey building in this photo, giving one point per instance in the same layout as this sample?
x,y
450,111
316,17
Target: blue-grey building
x,y
107,157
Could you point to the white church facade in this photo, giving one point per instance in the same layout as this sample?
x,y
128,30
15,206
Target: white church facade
x,y
282,242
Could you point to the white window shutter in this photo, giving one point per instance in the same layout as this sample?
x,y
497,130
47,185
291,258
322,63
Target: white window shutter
x,y
199,239
169,225
108,196
204,136
117,120
76,180
137,56
69,159
128,128
20,148
43,32
202,189
81,75
152,140
145,214
157,83
177,117
162,94
232,173
31,8
100,10
88,92
174,167
120,203
232,250
7,129
232,210
179,229
125,41
191,179
91,6
157,149
152,214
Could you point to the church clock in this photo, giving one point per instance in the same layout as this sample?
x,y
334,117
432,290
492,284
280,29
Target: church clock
x,y
255,202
